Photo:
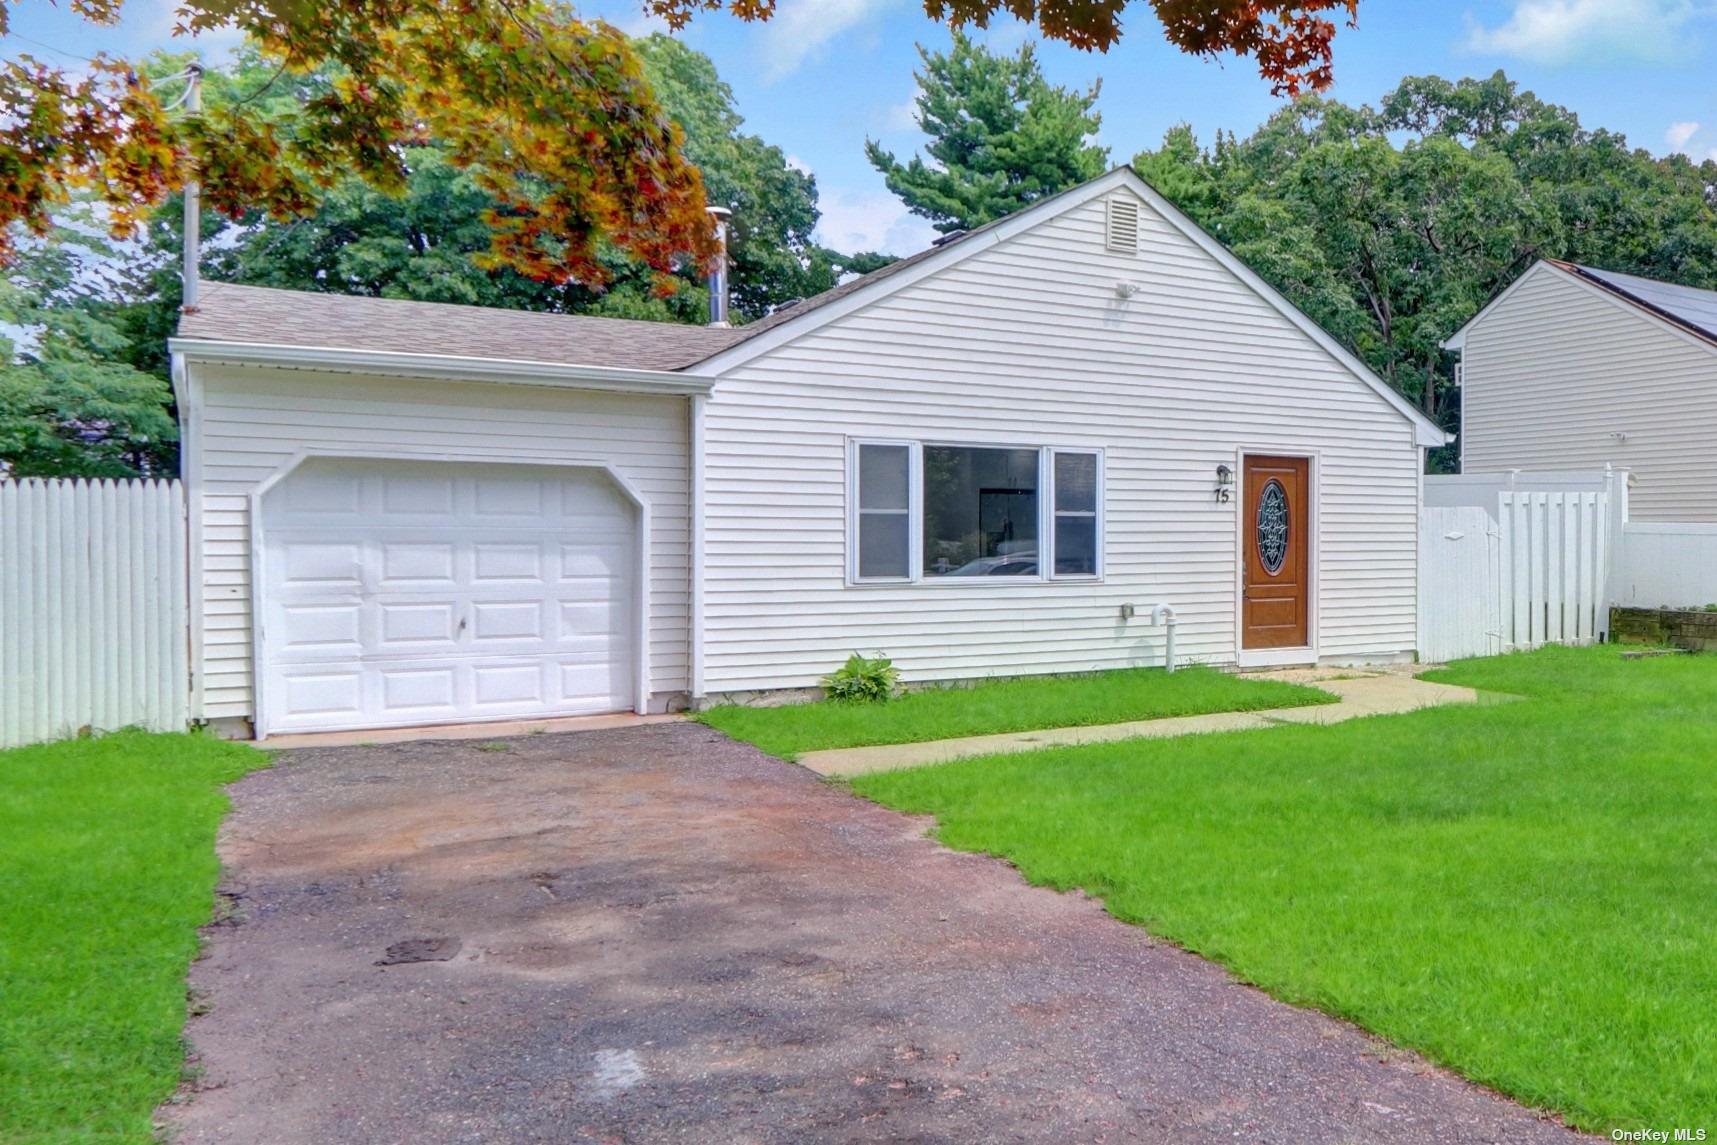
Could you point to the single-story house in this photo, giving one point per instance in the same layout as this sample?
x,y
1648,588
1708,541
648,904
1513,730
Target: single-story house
x,y
994,458
1574,368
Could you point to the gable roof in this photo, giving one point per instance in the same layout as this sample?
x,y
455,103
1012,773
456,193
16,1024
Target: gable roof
x,y
248,314
862,292
227,312
1689,309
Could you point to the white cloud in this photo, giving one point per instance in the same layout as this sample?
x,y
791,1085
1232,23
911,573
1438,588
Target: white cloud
x,y
159,19
1679,133
798,164
641,23
869,220
1005,36
902,116
800,30
1578,31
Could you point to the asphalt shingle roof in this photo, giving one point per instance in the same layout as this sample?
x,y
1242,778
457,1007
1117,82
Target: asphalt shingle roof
x,y
230,313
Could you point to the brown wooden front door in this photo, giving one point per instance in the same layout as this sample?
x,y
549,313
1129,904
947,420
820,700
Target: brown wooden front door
x,y
1276,540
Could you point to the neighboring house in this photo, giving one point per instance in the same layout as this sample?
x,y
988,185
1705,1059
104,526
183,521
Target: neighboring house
x,y
992,458
1575,368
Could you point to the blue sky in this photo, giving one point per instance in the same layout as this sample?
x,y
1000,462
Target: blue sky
x,y
826,74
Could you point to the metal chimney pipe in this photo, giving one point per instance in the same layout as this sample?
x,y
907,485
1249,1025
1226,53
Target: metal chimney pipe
x,y
192,241
718,275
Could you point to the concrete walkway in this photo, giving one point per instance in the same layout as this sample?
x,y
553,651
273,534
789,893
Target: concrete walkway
x,y
1361,693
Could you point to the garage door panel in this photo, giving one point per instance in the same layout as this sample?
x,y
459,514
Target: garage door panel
x,y
418,691
498,620
324,630
498,563
502,684
589,621
435,592
509,497
607,560
417,626
322,565
311,693
408,496
324,493
418,562
587,682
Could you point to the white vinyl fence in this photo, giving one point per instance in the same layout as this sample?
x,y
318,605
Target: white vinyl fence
x,y
1517,561
1555,559
1666,565
1460,607
93,621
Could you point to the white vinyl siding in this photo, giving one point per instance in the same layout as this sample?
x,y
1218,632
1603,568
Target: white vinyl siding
x,y
255,420
1557,368
1027,342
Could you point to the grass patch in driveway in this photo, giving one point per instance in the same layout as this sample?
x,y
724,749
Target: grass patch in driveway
x,y
107,869
996,706
1526,892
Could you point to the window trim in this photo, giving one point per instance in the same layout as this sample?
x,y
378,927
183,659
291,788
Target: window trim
x,y
915,514
914,502
1097,514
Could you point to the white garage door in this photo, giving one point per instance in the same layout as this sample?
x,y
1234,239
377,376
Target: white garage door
x,y
398,593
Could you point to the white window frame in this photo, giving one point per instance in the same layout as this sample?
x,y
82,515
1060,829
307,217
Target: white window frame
x,y
915,514
914,510
1096,514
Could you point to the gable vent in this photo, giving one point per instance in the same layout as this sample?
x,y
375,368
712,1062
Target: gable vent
x,y
1123,229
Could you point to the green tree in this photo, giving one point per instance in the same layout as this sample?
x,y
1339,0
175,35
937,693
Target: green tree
x,y
70,404
1392,226
1001,137
428,243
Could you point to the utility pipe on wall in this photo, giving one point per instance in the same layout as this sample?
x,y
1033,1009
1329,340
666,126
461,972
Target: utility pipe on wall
x,y
192,240
1162,616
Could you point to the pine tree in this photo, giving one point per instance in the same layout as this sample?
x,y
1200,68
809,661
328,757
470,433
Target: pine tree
x,y
1001,137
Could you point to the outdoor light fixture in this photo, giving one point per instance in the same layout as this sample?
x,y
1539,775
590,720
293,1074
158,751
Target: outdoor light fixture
x,y
1224,484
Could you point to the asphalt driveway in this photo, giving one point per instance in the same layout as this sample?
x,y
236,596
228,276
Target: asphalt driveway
x,y
655,934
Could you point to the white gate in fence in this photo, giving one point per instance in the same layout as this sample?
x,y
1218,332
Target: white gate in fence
x,y
93,624
1516,561
1460,609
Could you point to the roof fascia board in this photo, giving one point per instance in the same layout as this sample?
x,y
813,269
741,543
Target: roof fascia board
x,y
953,255
442,367
1458,340
1425,432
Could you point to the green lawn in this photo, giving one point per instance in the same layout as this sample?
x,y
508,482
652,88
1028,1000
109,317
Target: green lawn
x,y
107,869
1526,892
1015,705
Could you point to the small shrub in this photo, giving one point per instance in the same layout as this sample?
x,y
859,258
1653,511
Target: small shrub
x,y
863,681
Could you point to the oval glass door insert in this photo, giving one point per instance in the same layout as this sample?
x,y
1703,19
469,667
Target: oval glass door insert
x,y
1273,527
